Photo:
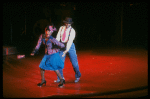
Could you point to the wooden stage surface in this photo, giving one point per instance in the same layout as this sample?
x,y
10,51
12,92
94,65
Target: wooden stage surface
x,y
106,73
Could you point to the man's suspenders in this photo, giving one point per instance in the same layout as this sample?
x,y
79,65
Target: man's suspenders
x,y
69,33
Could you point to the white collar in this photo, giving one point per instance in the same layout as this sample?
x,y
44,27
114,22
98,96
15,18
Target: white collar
x,y
68,27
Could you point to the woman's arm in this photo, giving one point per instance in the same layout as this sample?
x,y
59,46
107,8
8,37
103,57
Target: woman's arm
x,y
56,42
38,45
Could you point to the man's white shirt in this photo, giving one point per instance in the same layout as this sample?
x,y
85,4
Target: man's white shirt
x,y
69,39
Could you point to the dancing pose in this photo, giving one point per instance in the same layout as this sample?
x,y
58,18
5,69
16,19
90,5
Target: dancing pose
x,y
66,35
52,59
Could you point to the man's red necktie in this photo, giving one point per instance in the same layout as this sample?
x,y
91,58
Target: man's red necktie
x,y
64,35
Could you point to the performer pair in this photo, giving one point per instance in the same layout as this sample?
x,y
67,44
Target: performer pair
x,y
54,57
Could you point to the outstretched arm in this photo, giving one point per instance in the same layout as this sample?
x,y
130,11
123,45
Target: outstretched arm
x,y
56,42
37,46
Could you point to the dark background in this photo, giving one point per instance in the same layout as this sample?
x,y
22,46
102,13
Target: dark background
x,y
97,24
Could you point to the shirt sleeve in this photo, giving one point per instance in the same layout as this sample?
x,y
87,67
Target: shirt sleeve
x,y
58,34
56,42
38,44
71,38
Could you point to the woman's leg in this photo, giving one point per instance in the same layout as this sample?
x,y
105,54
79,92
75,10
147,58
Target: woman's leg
x,y
58,74
60,70
42,71
62,81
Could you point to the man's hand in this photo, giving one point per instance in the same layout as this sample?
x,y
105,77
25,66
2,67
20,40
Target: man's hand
x,y
64,53
32,54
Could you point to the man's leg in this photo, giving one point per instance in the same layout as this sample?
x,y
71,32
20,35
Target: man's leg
x,y
74,61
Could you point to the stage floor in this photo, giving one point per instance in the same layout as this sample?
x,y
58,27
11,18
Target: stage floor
x,y
106,73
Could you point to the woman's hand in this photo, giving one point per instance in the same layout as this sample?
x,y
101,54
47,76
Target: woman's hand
x,y
32,54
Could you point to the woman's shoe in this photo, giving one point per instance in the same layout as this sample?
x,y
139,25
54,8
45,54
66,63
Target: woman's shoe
x,y
40,84
62,81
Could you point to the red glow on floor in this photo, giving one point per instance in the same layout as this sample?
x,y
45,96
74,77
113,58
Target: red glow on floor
x,y
103,71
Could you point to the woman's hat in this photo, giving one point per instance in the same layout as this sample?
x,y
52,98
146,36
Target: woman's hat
x,y
68,20
50,28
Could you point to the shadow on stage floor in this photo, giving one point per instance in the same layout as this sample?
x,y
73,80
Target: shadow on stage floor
x,y
106,73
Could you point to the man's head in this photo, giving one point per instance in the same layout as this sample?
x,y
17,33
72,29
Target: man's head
x,y
67,25
68,21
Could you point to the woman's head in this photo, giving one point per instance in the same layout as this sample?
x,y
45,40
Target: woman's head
x,y
49,30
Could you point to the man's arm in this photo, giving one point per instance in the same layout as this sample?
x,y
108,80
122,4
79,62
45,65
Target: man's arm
x,y
70,41
58,34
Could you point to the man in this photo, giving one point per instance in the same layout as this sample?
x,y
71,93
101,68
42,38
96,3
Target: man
x,y
66,35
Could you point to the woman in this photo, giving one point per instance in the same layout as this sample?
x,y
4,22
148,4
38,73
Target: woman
x,y
52,59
